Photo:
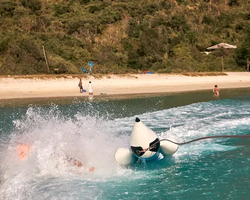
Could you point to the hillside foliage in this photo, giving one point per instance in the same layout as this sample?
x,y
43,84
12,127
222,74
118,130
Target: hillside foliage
x,y
122,36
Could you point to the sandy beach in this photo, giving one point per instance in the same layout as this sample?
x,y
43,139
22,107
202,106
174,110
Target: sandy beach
x,y
14,88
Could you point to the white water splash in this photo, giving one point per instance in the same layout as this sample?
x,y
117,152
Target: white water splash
x,y
53,138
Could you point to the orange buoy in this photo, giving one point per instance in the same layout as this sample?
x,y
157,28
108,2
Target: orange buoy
x,y
23,151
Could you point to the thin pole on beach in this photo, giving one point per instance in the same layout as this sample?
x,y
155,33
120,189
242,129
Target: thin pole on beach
x,y
222,64
44,53
248,65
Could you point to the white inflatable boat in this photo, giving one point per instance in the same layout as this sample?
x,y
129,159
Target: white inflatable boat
x,y
145,145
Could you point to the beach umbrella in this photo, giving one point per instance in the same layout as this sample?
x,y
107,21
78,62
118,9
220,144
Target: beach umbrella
x,y
222,46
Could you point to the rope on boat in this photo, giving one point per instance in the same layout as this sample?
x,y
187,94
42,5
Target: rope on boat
x,y
202,138
208,137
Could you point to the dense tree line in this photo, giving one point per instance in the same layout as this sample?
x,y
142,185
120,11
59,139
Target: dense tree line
x,y
122,36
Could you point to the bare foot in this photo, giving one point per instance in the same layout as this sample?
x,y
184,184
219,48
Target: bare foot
x,y
91,169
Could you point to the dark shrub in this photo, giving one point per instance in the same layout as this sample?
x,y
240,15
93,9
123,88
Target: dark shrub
x,y
34,5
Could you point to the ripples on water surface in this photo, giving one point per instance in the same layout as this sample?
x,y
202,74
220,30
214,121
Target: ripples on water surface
x,y
93,131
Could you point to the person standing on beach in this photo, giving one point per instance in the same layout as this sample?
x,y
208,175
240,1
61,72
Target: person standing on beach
x,y
80,86
216,91
90,89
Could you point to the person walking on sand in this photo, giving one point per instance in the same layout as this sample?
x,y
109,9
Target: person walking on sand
x,y
216,91
90,89
80,86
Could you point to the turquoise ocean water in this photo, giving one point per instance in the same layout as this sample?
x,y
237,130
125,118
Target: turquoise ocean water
x,y
92,131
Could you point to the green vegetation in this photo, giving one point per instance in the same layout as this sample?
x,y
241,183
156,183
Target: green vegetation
x,y
122,36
